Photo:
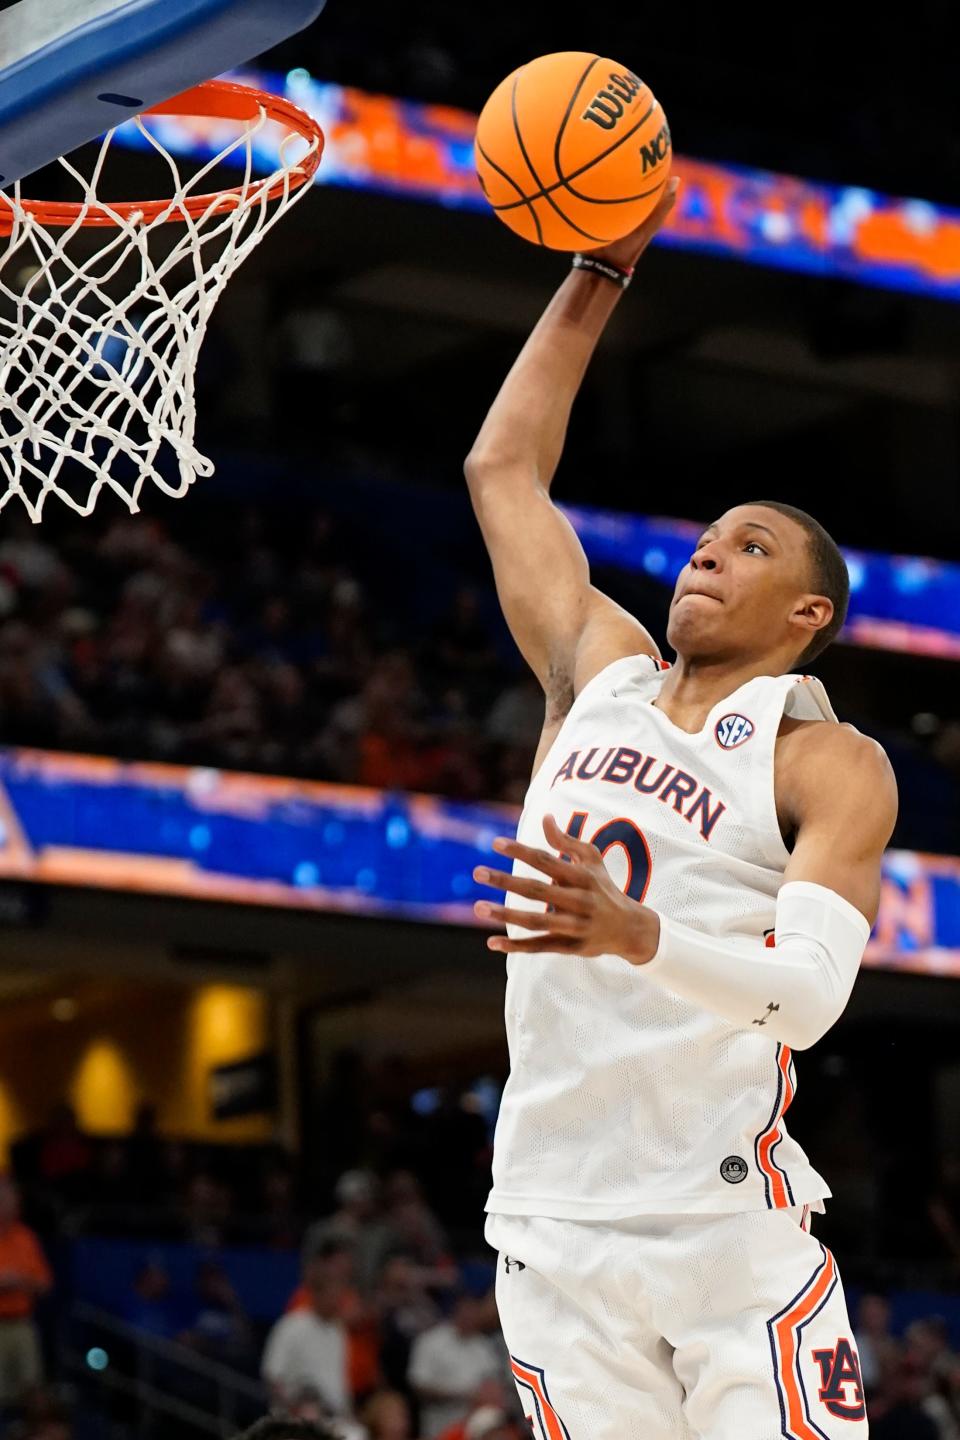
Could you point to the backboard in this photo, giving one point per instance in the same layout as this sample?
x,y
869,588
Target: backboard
x,y
71,69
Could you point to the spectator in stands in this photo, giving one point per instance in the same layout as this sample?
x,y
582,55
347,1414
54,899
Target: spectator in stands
x,y
219,1326
879,1351
358,1317
151,1306
386,1416
462,653
404,1310
44,1418
513,727
308,1404
928,1348
24,1278
205,1210
415,1230
309,1347
347,653
356,1219
65,1155
377,737
281,654
928,1342
897,1413
449,1363
35,698
282,1224
487,1422
516,716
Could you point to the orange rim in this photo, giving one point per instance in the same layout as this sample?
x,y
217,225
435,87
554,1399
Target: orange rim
x,y
220,99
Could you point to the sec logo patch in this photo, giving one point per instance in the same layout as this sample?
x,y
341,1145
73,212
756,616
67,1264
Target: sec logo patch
x,y
733,730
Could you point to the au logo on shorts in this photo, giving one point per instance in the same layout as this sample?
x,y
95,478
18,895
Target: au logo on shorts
x,y
733,730
733,1169
842,1387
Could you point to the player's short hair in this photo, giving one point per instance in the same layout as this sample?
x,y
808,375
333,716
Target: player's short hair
x,y
275,1427
829,574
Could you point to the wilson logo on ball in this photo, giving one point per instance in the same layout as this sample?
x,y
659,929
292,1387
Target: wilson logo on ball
x,y
558,181
656,151
608,104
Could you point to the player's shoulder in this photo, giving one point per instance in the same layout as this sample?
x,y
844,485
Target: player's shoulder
x,y
817,752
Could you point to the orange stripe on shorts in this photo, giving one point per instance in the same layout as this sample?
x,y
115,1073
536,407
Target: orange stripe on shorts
x,y
785,1337
533,1380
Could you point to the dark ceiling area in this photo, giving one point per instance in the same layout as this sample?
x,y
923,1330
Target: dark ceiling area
x,y
842,91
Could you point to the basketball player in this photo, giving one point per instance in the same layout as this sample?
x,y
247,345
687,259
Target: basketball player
x,y
695,876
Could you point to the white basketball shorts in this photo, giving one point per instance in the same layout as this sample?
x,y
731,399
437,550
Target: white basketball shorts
x,y
679,1327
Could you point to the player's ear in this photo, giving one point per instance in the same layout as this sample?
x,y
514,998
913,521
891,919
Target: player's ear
x,y
812,613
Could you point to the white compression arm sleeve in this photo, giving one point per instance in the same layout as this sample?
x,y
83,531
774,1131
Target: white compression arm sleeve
x,y
794,990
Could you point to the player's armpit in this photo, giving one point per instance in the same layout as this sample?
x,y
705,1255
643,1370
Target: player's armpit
x,y
609,633
843,798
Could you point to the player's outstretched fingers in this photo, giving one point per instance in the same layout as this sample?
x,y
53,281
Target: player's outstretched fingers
x,y
567,921
554,944
542,860
549,893
568,844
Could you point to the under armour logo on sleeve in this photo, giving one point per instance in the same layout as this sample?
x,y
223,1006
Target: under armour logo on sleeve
x,y
762,1020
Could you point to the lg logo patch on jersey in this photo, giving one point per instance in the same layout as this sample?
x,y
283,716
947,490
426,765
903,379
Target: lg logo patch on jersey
x,y
733,730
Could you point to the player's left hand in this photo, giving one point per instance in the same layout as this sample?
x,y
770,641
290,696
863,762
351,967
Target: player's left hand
x,y
588,915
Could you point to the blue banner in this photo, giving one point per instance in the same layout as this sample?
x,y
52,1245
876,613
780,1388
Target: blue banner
x,y
259,840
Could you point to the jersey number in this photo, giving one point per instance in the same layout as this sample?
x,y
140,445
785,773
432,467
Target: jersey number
x,y
633,843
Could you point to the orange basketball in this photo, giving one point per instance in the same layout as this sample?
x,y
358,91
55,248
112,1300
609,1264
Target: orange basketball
x,y
572,151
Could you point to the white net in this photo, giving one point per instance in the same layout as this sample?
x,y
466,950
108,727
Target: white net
x,y
99,339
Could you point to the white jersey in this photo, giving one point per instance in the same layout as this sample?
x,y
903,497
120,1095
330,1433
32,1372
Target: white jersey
x,y
622,1098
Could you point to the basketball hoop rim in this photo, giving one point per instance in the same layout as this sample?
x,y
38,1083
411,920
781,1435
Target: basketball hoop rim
x,y
218,99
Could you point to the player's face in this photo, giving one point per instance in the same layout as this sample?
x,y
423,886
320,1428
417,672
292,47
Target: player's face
x,y
745,589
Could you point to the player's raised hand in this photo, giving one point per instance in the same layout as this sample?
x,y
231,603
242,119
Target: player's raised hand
x,y
627,252
587,914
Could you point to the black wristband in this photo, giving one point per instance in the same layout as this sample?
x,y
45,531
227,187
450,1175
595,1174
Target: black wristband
x,y
606,268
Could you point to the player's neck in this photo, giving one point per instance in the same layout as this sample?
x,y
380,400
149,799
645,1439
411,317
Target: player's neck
x,y
691,688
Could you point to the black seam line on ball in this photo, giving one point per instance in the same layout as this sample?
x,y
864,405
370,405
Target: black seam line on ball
x,y
597,239
564,181
569,111
510,181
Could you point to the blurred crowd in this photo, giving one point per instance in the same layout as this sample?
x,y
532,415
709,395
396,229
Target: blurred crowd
x,y
387,1329
275,637
911,1380
268,642
386,1326
383,1330
389,1335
